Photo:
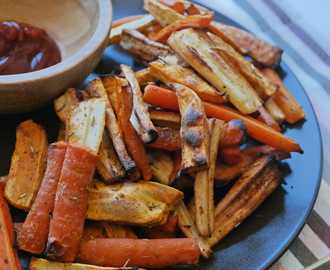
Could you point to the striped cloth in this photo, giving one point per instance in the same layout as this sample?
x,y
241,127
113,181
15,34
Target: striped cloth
x,y
300,29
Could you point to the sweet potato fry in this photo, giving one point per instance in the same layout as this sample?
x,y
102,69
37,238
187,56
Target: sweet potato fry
x,y
9,258
28,165
197,49
284,99
132,139
34,232
193,21
70,205
161,97
148,253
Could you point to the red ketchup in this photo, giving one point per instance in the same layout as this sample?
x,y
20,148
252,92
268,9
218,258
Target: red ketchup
x,y
25,48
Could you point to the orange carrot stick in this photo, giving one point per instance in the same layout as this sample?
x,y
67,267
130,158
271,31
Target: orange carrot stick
x,y
132,139
169,229
8,255
168,139
145,253
70,206
193,21
34,232
173,4
192,9
161,97
284,99
127,19
266,118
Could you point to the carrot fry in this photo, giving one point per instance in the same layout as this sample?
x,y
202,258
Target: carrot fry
x,y
193,21
132,139
70,206
231,154
33,234
234,132
176,5
168,139
146,253
3,181
265,117
169,229
158,96
192,9
284,99
9,259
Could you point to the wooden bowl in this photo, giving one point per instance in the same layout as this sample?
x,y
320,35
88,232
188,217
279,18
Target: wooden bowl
x,y
80,28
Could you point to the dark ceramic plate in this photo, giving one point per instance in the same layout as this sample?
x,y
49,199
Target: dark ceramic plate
x,y
263,237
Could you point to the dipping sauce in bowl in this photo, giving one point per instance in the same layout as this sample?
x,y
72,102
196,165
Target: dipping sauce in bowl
x,y
25,48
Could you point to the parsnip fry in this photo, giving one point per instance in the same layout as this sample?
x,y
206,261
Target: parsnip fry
x,y
85,123
204,184
187,226
284,99
168,73
111,85
138,45
42,264
197,49
248,44
70,98
109,166
252,188
260,83
194,131
161,165
142,203
143,124
28,165
162,13
139,24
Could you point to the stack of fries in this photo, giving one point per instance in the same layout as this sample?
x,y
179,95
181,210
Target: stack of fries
x,y
177,125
